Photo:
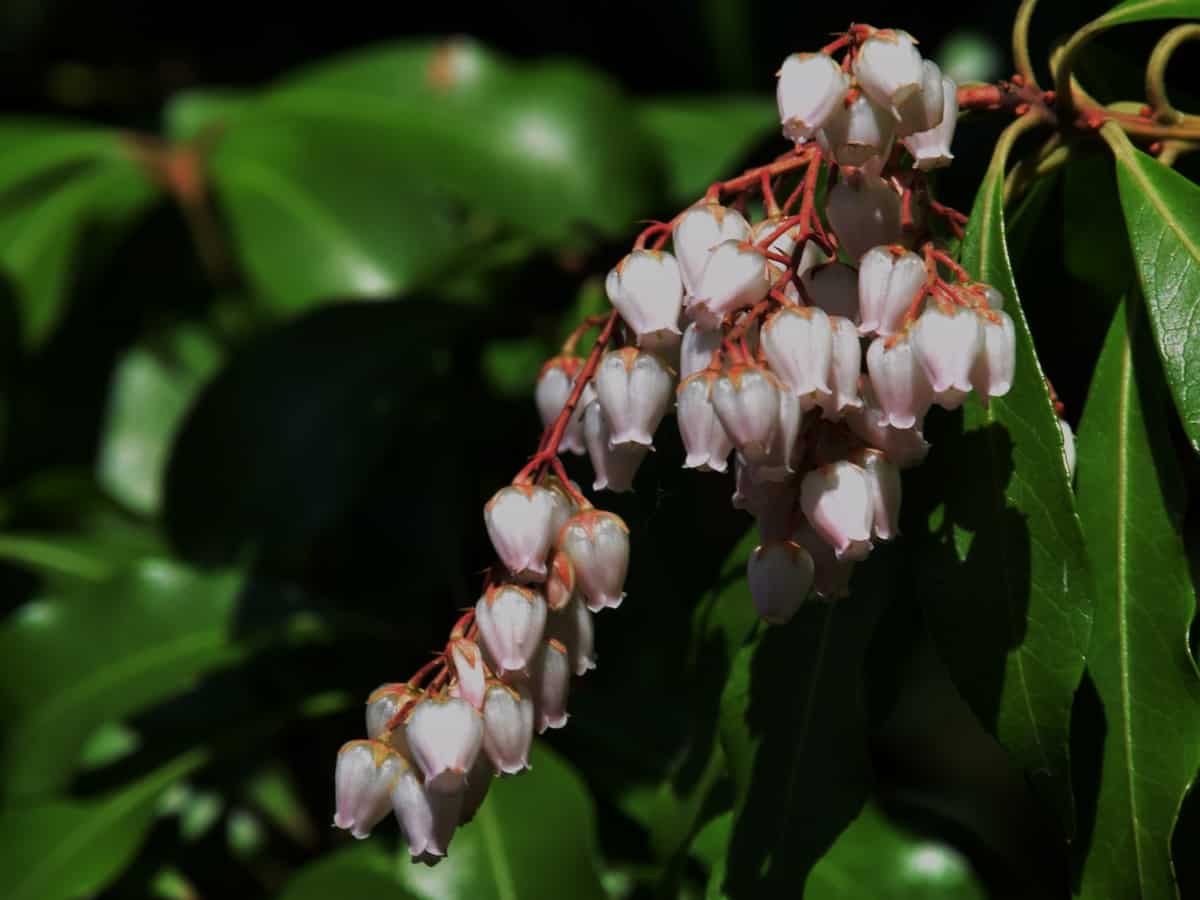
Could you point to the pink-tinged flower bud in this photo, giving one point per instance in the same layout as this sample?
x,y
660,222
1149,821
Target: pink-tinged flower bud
x,y
797,342
507,726
833,287
479,779
930,149
737,276
560,584
520,521
992,374
469,669
780,574
845,365
772,503
864,211
836,500
444,734
888,69
550,682
899,381
574,629
883,483
1068,437
363,779
947,341
699,345
414,813
811,87
697,233
511,620
646,289
598,544
887,285
382,706
704,438
831,576
634,390
904,447
614,466
553,388
855,134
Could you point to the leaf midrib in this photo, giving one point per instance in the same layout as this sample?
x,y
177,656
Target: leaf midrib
x,y
1134,168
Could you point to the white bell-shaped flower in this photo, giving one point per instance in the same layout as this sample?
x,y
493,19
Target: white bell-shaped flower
x,y
560,583
864,211
845,366
507,726
798,344
699,345
899,381
598,544
549,683
363,781
511,619
444,735
836,500
926,109
761,416
409,800
704,438
697,233
833,287
520,520
930,149
383,705
554,386
780,575
1068,437
470,670
889,71
811,86
565,504
647,290
615,466
634,390
992,374
858,132
574,629
904,447
479,779
736,276
831,576
947,340
883,482
772,503
889,280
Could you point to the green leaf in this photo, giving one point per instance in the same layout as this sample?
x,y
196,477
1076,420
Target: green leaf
x,y
322,212
64,849
1131,496
150,392
1146,11
42,149
192,114
1162,213
72,662
794,732
360,870
542,146
1095,250
49,236
702,139
1005,582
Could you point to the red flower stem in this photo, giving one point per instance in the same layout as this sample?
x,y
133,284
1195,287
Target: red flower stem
x,y
944,258
549,445
764,186
793,159
568,347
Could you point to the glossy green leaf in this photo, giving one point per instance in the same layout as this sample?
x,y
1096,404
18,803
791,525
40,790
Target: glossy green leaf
x,y
1004,577
71,662
64,849
702,139
49,236
542,146
202,113
66,559
321,212
794,732
151,390
1131,11
39,150
1162,213
1131,496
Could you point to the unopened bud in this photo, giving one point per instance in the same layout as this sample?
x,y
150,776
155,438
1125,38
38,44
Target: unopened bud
x,y
780,575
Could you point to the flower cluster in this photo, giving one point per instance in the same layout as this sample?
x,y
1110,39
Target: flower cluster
x,y
804,341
